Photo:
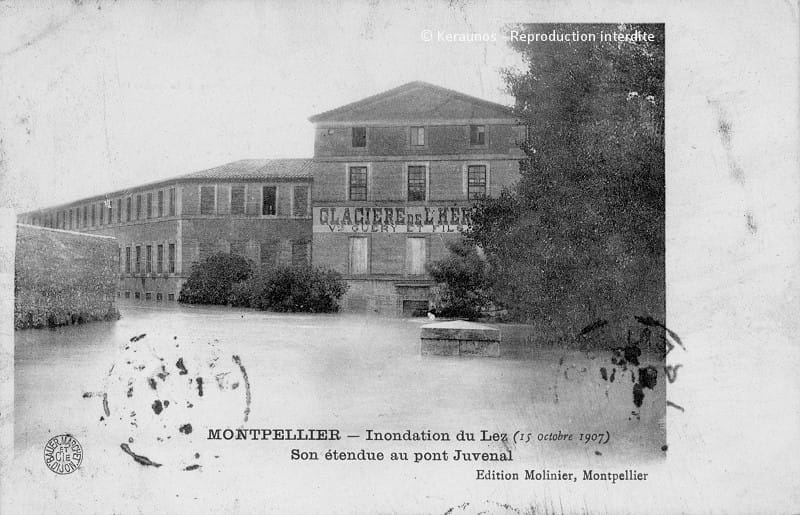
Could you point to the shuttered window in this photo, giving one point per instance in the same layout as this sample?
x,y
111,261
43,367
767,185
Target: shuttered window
x,y
300,195
148,259
160,203
172,202
358,183
160,259
418,136
359,137
269,253
207,200
416,183
476,182
172,258
300,252
359,255
416,255
237,199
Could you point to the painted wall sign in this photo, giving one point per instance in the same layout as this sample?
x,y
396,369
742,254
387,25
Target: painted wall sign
x,y
391,219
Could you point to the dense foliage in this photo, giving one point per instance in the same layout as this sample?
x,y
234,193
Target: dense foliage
x,y
462,276
63,278
581,236
212,280
293,288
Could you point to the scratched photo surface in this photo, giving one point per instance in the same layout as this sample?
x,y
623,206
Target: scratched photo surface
x,y
361,257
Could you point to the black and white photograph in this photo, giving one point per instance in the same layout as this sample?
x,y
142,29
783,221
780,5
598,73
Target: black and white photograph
x,y
417,257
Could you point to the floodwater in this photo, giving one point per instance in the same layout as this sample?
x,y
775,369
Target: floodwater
x,y
346,372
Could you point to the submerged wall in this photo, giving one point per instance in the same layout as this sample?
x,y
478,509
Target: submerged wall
x,y
63,277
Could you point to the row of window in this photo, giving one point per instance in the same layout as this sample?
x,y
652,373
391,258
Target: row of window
x,y
268,205
148,295
477,136
141,206
359,255
416,182
140,259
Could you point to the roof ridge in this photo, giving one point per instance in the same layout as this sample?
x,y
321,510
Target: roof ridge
x,y
409,86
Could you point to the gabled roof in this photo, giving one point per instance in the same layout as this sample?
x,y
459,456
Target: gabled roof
x,y
416,101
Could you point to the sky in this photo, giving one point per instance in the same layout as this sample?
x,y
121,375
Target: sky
x,y
105,95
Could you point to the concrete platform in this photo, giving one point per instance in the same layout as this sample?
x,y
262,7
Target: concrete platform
x,y
459,338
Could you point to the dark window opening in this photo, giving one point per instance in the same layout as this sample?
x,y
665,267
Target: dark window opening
x,y
269,205
359,137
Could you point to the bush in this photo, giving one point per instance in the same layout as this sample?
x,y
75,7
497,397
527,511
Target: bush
x,y
294,288
211,281
462,279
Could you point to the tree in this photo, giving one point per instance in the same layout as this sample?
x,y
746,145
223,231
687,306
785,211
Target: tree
x,y
462,276
212,280
581,235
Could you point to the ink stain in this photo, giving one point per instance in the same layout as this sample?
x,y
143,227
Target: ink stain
x,y
152,382
157,406
141,460
200,386
751,223
192,467
137,338
105,405
238,361
648,377
181,367
638,395
185,429
603,373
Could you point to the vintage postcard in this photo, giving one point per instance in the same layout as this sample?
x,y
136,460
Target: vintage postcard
x,y
423,257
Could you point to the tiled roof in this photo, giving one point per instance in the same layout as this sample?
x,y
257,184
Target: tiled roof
x,y
416,101
238,170
255,169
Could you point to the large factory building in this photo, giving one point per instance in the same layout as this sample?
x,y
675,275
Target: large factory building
x,y
257,208
394,176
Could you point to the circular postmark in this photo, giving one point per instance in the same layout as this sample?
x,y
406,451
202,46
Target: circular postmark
x,y
63,454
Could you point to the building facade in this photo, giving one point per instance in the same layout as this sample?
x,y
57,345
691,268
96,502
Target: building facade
x,y
395,176
258,208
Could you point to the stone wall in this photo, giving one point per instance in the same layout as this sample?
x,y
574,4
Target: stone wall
x,y
63,277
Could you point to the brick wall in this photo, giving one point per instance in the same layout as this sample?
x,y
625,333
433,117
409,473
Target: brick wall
x,y
447,178
63,277
395,141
